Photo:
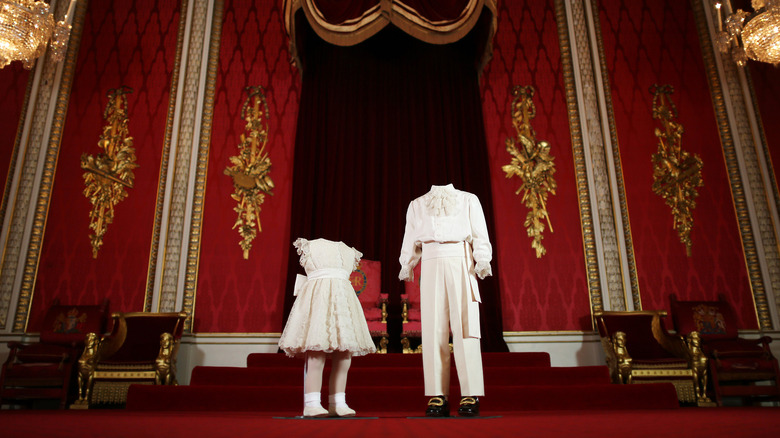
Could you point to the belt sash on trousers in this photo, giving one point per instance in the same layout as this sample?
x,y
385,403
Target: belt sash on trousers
x,y
469,317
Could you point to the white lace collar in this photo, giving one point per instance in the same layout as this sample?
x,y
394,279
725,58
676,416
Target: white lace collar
x,y
442,200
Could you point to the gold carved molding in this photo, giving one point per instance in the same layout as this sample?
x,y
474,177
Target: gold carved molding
x,y
250,169
532,162
676,173
109,173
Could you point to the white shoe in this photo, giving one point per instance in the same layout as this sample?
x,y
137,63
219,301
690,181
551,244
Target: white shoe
x,y
314,411
340,411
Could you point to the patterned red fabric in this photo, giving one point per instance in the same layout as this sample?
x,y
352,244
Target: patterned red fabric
x,y
367,281
712,319
548,293
237,295
649,42
68,324
123,43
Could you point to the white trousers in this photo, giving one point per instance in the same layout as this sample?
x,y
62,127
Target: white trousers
x,y
447,302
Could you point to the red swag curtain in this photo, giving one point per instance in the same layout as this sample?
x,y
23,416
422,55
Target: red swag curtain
x,y
379,122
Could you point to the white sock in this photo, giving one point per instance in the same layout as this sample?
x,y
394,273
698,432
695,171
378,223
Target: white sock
x,y
311,399
338,399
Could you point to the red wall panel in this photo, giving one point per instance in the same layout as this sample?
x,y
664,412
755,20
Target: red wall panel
x,y
13,86
648,42
549,293
124,43
237,295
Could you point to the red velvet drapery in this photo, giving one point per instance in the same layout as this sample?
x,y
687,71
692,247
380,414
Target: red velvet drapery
x,y
378,123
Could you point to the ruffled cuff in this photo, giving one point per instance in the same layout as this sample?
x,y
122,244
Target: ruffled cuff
x,y
483,270
406,274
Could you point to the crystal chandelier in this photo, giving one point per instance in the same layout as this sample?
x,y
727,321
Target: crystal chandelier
x,y
27,27
755,36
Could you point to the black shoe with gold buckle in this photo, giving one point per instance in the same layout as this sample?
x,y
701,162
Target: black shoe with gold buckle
x,y
438,407
469,407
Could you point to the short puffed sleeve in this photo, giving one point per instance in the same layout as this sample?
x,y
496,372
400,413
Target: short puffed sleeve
x,y
358,256
302,245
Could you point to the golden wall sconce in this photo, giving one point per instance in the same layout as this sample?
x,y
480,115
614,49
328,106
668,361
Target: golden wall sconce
x,y
109,173
532,162
676,173
251,168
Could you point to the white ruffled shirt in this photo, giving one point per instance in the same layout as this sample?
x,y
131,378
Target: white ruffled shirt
x,y
445,214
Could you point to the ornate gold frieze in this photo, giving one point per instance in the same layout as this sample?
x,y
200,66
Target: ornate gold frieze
x,y
676,173
532,162
251,168
110,172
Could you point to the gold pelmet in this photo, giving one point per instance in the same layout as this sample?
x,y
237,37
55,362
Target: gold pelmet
x,y
532,162
676,173
250,169
110,172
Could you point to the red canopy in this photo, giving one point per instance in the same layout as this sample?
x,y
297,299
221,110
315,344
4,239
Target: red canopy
x,y
346,23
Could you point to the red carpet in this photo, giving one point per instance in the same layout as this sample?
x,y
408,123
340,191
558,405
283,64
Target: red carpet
x,y
526,397
392,385
682,423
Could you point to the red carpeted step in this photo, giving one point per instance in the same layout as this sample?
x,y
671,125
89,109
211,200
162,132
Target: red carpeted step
x,y
360,375
213,398
394,399
255,376
536,376
263,398
579,397
525,359
293,376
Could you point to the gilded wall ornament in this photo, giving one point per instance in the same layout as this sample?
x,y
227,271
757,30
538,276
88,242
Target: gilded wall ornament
x,y
109,173
250,169
676,173
532,162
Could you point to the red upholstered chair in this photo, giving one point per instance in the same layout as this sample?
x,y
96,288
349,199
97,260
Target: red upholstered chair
x,y
367,282
736,364
638,349
46,369
141,349
411,325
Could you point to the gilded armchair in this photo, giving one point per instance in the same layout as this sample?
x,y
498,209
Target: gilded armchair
x,y
638,349
739,367
141,349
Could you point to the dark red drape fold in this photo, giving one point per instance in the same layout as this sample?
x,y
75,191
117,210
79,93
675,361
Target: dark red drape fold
x,y
378,123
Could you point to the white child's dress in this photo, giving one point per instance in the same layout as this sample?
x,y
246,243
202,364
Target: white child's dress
x,y
326,315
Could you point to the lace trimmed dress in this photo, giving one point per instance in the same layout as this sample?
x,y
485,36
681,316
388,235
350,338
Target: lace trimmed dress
x,y
326,315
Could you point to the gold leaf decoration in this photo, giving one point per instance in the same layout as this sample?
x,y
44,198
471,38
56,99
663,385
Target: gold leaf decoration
x,y
676,173
110,172
532,162
250,169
